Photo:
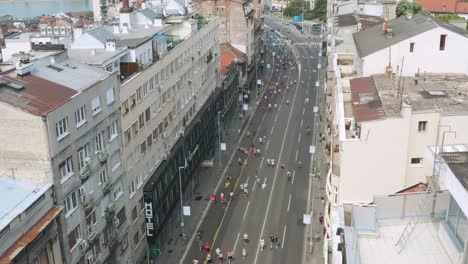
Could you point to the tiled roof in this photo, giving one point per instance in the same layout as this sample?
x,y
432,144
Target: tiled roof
x,y
365,100
38,97
461,8
438,6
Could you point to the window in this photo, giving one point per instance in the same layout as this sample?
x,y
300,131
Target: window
x,y
457,221
96,105
141,120
422,125
128,136
112,130
131,189
155,134
136,238
149,140
103,176
125,108
148,114
66,169
134,214
62,128
133,101
135,128
143,229
443,42
416,162
143,147
74,237
121,215
139,181
71,203
91,219
80,116
138,94
145,89
118,191
125,242
110,96
411,47
99,142
83,156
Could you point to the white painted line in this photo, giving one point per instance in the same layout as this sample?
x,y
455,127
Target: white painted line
x,y
284,237
247,209
289,201
302,121
303,111
255,184
296,153
272,129
307,91
268,144
276,117
299,139
235,243
261,162
294,174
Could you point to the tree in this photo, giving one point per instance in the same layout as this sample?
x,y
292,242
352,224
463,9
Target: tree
x,y
404,7
294,8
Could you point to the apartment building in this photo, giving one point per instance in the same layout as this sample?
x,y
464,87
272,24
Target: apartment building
x,y
237,27
61,126
28,222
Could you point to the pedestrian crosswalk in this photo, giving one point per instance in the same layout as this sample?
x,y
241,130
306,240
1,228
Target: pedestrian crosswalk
x,y
311,43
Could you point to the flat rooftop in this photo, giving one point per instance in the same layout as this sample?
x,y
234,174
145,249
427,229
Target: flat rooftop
x,y
96,57
424,245
376,97
16,197
458,163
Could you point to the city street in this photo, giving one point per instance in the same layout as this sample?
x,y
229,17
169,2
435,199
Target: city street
x,y
275,203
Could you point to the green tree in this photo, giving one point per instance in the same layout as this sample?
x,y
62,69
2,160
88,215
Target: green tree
x,y
294,8
404,7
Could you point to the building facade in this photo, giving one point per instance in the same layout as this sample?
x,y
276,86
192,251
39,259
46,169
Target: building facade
x,y
28,225
70,113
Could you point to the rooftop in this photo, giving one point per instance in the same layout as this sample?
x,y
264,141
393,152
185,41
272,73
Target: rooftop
x,y
96,57
376,97
459,168
373,39
228,55
427,247
16,197
446,6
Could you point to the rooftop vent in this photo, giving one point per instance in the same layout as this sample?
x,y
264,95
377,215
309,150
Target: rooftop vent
x,y
453,158
23,67
436,93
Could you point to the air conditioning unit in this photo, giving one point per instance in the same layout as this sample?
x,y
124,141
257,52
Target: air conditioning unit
x,y
83,245
164,157
83,198
82,191
116,222
91,259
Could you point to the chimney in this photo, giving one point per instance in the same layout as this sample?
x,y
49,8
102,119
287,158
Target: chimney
x,y
125,7
110,45
389,33
389,72
116,29
125,28
52,59
23,67
409,15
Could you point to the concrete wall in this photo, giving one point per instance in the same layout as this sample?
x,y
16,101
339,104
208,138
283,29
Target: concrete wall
x,y
426,56
369,165
25,145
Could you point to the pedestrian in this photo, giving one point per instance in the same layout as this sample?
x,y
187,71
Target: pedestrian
x,y
228,178
324,230
213,198
207,247
244,253
221,196
321,218
221,257
245,163
208,257
317,237
277,241
272,240
241,187
231,195
260,140
195,261
246,238
218,251
262,243
264,138
240,161
229,254
268,162
246,192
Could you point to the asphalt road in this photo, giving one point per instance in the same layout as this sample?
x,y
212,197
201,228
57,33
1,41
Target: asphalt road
x,y
275,204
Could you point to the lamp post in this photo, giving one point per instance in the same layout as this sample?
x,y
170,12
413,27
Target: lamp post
x,y
181,202
219,139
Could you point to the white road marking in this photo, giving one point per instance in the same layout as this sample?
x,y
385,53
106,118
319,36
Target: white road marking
x,y
272,129
302,121
268,143
261,162
303,111
235,243
294,173
245,213
255,184
284,237
289,201
307,92
296,153
276,117
299,139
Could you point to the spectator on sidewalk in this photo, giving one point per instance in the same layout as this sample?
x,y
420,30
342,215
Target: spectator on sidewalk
x,y
321,218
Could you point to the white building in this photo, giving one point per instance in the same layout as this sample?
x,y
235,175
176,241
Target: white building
x,y
412,45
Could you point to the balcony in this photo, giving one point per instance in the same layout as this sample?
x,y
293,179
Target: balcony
x,y
106,188
88,205
102,156
85,171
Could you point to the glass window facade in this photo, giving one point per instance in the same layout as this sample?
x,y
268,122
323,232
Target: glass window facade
x,y
457,222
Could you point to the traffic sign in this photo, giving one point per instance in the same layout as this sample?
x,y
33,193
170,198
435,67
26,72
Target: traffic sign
x,y
155,251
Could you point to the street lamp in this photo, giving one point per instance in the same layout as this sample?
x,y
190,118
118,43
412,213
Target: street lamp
x,y
181,202
219,139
